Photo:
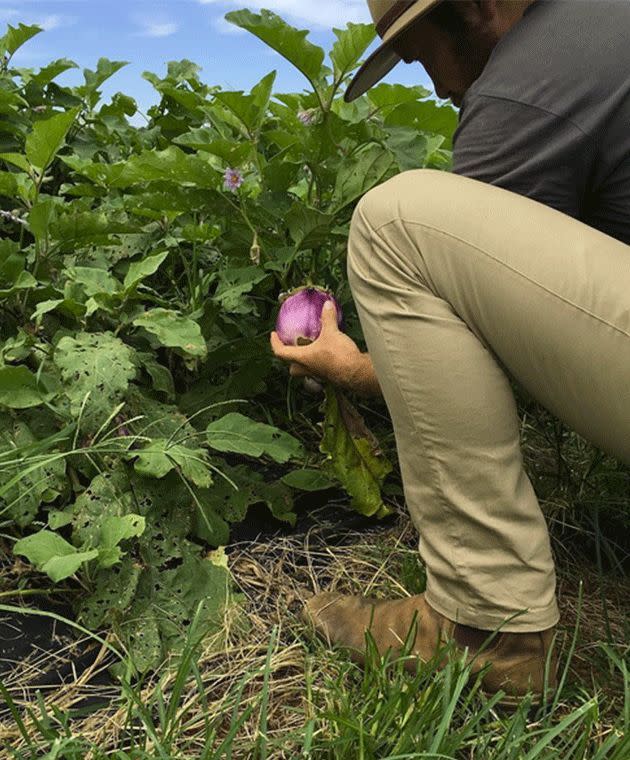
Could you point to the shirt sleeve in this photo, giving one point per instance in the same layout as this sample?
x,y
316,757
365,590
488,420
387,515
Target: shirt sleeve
x,y
524,149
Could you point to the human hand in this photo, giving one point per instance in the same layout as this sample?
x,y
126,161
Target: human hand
x,y
332,357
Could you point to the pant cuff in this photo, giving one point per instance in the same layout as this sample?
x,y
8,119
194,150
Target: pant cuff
x,y
530,621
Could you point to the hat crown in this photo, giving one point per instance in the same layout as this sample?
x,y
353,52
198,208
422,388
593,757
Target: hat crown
x,y
378,8
385,13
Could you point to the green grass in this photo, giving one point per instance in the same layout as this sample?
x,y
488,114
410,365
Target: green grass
x,y
269,690
379,712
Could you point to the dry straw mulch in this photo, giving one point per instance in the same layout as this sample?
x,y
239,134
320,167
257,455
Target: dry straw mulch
x,y
274,574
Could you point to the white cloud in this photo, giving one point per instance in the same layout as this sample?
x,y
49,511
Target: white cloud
x,y
154,27
53,21
48,22
322,14
224,27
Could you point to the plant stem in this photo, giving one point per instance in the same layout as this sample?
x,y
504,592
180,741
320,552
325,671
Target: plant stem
x,y
32,592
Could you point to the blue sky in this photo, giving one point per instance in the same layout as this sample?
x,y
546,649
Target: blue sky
x,y
148,33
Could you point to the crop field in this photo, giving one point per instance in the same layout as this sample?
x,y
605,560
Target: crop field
x,y
169,495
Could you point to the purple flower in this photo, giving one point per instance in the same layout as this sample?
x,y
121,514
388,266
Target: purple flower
x,y
232,180
307,117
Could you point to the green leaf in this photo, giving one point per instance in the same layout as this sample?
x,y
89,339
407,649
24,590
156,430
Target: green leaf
x,y
117,529
161,456
353,454
284,39
38,548
98,364
351,43
307,480
47,73
210,526
252,487
47,138
409,147
94,79
52,554
114,590
16,37
58,568
94,281
169,165
234,284
392,95
12,261
426,116
249,109
236,433
82,228
140,270
16,159
25,486
41,216
165,603
174,331
113,531
160,376
24,281
206,139
368,167
107,496
8,184
308,227
21,389
44,307
58,519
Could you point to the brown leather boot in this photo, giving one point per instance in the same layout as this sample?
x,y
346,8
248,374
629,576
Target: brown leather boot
x,y
517,659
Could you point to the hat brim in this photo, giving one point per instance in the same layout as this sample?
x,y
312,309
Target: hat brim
x,y
384,59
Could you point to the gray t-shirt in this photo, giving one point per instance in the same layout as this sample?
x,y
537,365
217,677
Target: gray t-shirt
x,y
549,117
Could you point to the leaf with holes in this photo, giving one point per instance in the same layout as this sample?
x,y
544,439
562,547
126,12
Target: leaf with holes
x,y
113,591
107,496
98,364
166,602
113,531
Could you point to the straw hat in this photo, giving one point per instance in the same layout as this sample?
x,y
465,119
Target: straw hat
x,y
391,17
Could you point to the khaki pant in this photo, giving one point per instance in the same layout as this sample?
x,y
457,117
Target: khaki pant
x,y
457,284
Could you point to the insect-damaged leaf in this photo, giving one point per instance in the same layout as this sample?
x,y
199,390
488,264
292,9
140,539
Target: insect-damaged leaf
x,y
98,364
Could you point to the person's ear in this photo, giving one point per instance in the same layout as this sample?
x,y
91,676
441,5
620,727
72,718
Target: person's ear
x,y
488,9
475,12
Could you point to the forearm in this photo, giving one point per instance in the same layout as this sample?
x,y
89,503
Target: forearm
x,y
362,379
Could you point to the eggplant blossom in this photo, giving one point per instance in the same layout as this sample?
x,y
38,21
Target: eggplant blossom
x,y
299,318
232,179
307,117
